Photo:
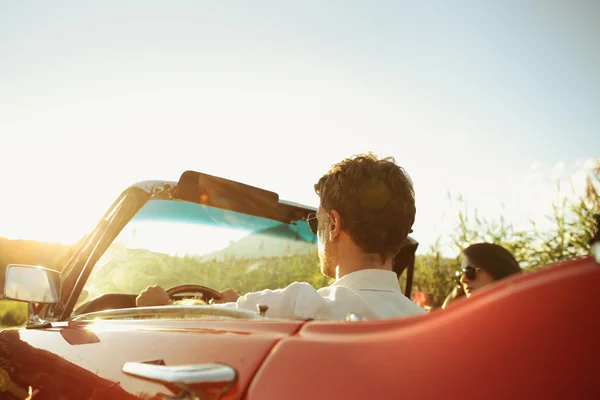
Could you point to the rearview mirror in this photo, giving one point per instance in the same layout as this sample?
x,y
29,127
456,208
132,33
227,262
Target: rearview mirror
x,y
223,193
32,284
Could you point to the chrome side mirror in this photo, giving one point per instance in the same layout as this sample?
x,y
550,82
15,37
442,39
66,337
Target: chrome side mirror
x,y
32,284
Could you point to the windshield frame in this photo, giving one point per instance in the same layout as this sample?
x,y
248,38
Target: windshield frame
x,y
106,231
172,243
80,266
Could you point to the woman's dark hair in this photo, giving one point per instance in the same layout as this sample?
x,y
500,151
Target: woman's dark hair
x,y
493,258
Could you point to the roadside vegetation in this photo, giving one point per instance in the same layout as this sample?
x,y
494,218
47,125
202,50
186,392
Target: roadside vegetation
x,y
567,237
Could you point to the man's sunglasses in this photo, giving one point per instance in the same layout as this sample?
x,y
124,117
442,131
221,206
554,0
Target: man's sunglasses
x,y
313,222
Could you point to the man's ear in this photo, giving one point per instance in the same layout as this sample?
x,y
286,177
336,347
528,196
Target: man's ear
x,y
335,224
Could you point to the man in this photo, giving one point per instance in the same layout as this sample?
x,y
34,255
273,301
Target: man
x,y
367,209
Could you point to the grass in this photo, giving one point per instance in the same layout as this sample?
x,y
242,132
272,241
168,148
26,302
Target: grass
x,y
12,313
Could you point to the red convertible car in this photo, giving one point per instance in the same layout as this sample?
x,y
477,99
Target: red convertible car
x,y
531,336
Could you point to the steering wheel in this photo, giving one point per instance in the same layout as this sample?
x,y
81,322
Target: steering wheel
x,y
206,291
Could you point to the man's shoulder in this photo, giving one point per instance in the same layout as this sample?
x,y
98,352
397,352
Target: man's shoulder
x,y
298,284
303,287
291,288
410,307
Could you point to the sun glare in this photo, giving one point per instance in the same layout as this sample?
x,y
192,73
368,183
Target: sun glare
x,y
177,238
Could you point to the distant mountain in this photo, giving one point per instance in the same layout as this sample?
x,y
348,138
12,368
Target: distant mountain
x,y
272,242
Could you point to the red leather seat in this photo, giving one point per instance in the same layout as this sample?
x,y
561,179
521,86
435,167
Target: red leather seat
x,y
533,336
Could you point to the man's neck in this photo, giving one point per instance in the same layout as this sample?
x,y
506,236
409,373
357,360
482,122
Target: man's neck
x,y
361,262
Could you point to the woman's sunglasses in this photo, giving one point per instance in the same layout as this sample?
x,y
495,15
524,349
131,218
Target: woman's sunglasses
x,y
470,272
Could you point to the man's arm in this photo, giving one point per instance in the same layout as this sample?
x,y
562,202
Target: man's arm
x,y
157,296
298,300
229,296
153,296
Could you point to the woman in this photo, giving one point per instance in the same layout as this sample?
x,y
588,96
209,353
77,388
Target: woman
x,y
484,263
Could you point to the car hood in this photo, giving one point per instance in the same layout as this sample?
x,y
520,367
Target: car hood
x,y
85,359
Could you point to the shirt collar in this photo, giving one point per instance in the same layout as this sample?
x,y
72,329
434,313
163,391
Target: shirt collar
x,y
370,279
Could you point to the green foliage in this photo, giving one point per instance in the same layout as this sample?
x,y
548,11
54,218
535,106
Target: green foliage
x,y
12,313
571,228
471,228
141,268
433,274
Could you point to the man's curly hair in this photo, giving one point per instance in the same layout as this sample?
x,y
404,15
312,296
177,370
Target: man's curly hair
x,y
375,199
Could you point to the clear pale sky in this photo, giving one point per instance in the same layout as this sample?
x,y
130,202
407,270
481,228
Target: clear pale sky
x,y
496,100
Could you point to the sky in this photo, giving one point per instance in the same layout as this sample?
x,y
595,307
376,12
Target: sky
x,y
496,100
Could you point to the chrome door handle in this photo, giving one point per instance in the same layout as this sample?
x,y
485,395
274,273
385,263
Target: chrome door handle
x,y
183,375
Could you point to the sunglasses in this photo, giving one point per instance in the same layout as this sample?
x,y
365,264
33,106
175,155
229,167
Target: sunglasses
x,y
313,222
470,272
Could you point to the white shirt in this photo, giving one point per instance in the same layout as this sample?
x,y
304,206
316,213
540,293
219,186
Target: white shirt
x,y
369,293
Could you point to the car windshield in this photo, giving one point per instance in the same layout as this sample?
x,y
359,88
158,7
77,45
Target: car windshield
x,y
171,243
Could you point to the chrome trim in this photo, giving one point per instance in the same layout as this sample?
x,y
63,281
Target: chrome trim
x,y
58,289
171,311
353,317
32,318
183,374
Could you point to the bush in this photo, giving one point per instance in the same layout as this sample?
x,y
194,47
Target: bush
x,y
572,226
12,313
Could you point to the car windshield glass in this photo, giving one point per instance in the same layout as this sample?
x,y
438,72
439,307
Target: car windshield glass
x,y
171,243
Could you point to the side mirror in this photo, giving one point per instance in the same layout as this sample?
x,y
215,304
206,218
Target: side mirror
x,y
32,284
